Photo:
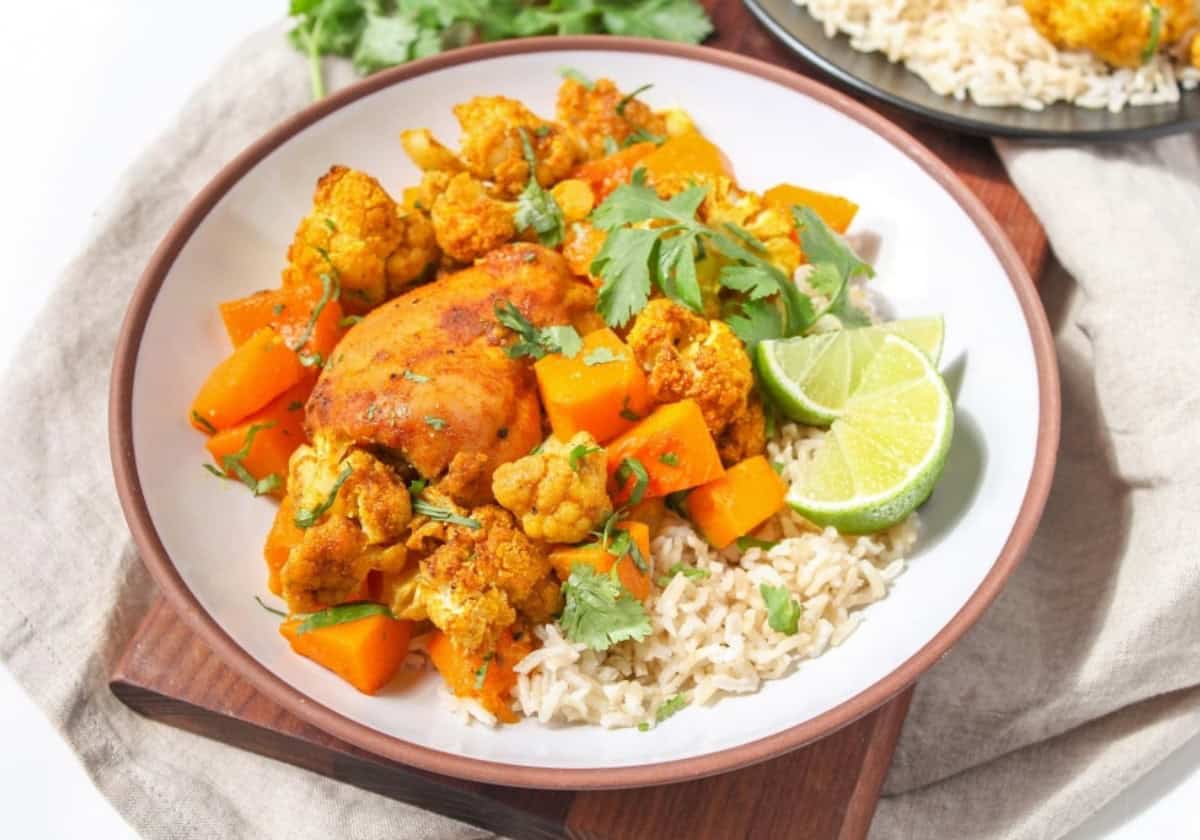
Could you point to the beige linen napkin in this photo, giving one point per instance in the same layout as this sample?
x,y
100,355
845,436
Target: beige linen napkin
x,y
1038,717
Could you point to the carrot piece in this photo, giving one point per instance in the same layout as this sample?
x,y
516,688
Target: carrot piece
x,y
280,539
280,430
835,211
608,173
687,154
599,398
674,446
256,373
636,580
490,680
365,653
290,313
747,495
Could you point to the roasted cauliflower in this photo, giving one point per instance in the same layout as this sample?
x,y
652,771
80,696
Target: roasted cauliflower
x,y
358,233
687,356
1118,31
358,508
558,492
474,585
468,222
601,115
492,150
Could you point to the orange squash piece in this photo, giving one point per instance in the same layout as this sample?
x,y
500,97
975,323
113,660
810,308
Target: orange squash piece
x,y
631,577
596,398
733,505
608,173
651,511
272,446
288,312
253,375
835,211
283,535
462,671
675,447
687,154
366,653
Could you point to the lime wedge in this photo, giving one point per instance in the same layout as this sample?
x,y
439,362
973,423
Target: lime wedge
x,y
881,458
812,377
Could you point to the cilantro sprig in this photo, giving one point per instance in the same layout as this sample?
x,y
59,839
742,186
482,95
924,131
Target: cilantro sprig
x,y
536,208
376,34
783,611
536,342
599,612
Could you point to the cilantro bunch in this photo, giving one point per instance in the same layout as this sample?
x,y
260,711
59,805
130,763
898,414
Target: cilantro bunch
x,y
376,34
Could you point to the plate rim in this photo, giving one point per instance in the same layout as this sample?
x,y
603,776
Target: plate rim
x,y
947,120
184,602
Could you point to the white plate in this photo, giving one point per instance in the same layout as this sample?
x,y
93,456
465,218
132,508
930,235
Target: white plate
x,y
930,257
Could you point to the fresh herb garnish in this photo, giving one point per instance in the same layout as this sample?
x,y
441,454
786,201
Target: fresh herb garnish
x,y
311,359
536,342
664,711
1156,29
348,321
536,207
669,458
834,265
482,671
599,612
417,486
208,427
307,517
331,289
415,377
233,463
575,76
435,423
277,309
541,131
295,405
783,611
438,514
579,453
629,97
601,356
689,572
632,467
376,34
271,610
610,146
747,543
341,614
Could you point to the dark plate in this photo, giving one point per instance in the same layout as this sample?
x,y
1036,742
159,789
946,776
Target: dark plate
x,y
878,78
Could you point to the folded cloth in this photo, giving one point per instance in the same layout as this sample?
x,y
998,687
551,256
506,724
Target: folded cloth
x,y
1058,698
1082,676
74,589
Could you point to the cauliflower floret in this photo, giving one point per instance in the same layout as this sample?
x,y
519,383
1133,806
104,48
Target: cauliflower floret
x,y
590,115
416,253
468,222
355,229
688,356
746,434
364,509
559,498
472,585
427,153
492,150
1117,31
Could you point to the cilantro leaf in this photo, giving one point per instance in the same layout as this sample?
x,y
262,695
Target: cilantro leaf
x,y
746,543
689,572
599,612
677,270
669,458
384,42
578,453
759,320
601,356
341,614
783,611
536,342
307,517
636,202
671,20
421,507
632,467
624,265
834,265
536,207
574,75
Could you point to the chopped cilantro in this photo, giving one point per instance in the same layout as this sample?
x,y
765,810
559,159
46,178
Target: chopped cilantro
x,y
415,377
747,543
482,671
233,464
295,405
689,572
307,517
632,467
203,423
341,614
579,453
536,342
348,321
627,412
599,612
536,208
783,611
601,356
575,76
331,289
670,707
669,458
423,508
435,423
271,610
629,97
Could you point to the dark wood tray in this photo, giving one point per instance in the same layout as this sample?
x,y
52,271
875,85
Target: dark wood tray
x,y
826,790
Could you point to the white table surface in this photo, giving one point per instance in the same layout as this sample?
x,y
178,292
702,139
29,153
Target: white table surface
x,y
94,83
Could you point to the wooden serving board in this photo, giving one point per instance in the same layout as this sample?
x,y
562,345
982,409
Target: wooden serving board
x,y
826,790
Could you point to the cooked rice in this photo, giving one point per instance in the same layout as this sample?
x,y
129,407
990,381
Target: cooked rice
x,y
710,637
990,51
